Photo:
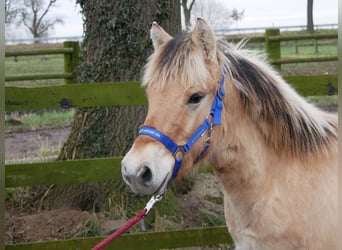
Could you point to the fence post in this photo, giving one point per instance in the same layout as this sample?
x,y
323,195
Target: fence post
x,y
273,47
71,61
316,45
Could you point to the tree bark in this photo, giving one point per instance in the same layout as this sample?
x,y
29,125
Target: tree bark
x,y
310,24
115,48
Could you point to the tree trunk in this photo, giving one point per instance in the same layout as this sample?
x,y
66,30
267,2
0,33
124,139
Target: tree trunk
x,y
115,48
310,24
187,12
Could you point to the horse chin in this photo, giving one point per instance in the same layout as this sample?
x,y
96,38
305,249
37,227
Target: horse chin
x,y
152,189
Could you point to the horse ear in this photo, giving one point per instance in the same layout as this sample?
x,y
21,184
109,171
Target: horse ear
x,y
204,36
158,35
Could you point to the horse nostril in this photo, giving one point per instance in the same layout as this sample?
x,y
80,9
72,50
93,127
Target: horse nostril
x,y
145,175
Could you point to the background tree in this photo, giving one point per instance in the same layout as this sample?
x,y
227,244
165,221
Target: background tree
x,y
215,12
12,8
187,12
34,16
237,15
115,48
309,15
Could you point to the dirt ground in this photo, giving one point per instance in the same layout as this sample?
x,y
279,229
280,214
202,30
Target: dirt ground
x,y
25,226
30,144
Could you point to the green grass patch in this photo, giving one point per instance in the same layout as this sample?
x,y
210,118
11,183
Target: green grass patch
x,y
308,51
323,100
33,121
44,64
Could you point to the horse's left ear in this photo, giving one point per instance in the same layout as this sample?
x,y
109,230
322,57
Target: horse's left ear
x,y
204,36
158,35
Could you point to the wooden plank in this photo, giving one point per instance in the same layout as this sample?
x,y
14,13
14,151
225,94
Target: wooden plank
x,y
74,95
108,94
273,48
304,37
71,61
304,60
141,241
316,85
39,52
62,172
25,77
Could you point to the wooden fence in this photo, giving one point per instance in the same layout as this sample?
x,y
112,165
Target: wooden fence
x,y
90,170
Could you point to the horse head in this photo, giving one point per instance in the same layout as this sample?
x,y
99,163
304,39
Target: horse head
x,y
182,80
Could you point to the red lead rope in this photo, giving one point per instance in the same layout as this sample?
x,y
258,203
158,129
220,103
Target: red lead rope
x,y
130,223
121,230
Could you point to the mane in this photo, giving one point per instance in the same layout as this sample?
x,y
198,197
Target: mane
x,y
285,119
287,122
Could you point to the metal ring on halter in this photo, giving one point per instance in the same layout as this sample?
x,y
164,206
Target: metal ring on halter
x,y
180,149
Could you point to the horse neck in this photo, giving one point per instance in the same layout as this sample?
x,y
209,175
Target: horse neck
x,y
244,161
240,153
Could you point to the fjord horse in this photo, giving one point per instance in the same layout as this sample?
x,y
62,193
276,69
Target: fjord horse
x,y
274,154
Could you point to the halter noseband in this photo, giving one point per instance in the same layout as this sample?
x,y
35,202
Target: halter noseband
x,y
207,125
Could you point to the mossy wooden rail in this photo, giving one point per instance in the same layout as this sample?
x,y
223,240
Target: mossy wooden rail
x,y
92,170
141,241
130,93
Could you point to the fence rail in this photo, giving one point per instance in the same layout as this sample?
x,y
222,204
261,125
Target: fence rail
x,y
47,173
304,60
283,28
119,94
39,52
303,37
91,170
142,241
24,77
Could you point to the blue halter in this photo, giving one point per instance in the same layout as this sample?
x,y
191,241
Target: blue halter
x,y
207,125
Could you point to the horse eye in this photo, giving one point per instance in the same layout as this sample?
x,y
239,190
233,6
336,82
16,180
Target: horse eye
x,y
195,98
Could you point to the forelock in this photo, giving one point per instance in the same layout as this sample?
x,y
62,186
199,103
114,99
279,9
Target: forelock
x,y
177,61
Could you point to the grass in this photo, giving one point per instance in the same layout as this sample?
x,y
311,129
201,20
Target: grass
x,y
34,65
309,51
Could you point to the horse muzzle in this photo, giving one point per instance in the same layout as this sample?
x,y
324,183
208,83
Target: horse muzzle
x,y
147,171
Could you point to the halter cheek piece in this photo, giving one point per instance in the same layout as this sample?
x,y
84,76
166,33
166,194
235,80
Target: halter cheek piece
x,y
207,125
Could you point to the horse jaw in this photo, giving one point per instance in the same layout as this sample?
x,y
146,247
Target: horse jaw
x,y
148,169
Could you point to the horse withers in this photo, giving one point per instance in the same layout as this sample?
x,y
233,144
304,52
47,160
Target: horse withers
x,y
274,154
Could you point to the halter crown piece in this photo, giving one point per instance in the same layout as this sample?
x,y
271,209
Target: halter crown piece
x,y
207,125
